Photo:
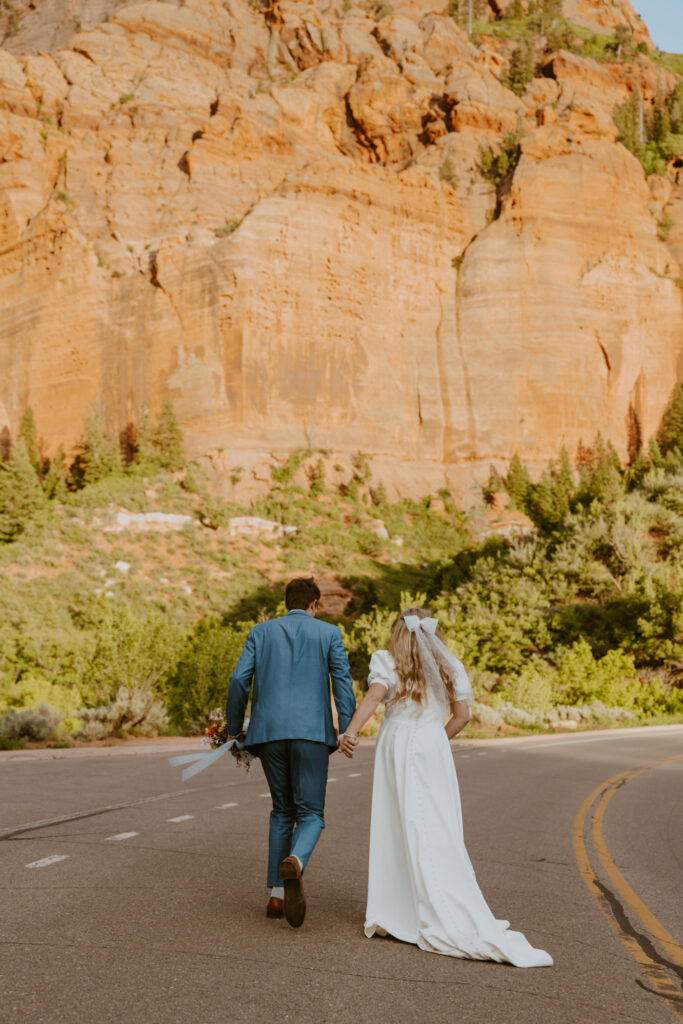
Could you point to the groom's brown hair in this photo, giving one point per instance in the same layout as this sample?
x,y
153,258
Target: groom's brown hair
x,y
300,592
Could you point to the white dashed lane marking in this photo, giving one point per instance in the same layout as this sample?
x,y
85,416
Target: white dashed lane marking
x,y
48,860
264,794
355,775
182,817
219,807
121,835
331,780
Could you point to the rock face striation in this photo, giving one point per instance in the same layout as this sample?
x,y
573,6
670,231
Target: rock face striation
x,y
281,219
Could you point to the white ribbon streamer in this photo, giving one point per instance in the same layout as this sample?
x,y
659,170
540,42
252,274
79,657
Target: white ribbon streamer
x,y
199,762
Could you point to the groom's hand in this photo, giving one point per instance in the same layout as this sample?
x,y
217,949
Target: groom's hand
x,y
348,744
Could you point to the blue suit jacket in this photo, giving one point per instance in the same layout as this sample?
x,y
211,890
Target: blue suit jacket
x,y
290,661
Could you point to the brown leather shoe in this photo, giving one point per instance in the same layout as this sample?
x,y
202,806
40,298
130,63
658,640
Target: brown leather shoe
x,y
295,901
274,908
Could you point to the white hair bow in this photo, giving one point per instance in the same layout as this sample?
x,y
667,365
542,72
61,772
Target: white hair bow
x,y
429,650
413,622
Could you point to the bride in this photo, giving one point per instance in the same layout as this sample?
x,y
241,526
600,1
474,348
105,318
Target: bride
x,y
421,883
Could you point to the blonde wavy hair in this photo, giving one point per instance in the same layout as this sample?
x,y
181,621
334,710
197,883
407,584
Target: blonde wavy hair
x,y
412,684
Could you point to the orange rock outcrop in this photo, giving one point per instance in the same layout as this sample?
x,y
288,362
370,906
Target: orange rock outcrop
x,y
279,219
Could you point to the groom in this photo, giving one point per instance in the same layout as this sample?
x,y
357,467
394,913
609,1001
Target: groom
x,y
290,661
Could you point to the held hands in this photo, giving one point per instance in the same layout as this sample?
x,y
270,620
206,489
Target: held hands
x,y
348,744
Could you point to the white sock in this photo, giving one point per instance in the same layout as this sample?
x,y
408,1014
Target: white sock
x,y
278,891
301,867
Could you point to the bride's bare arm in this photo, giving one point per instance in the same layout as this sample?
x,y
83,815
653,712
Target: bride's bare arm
x,y
365,710
459,719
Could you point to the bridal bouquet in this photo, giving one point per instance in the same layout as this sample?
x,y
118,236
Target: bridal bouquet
x,y
216,737
217,734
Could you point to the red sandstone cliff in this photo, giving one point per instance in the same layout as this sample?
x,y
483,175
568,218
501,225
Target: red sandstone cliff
x,y
280,220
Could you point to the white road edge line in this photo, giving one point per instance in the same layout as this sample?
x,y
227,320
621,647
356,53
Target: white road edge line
x,y
613,734
219,807
48,860
121,835
182,817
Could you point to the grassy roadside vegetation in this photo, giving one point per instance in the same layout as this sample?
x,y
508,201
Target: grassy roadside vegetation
x,y
122,631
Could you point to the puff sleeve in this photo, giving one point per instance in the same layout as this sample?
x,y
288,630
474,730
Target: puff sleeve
x,y
463,687
382,670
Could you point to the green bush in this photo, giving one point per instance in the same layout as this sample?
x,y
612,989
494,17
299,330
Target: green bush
x,y
135,647
131,713
531,690
655,698
199,681
370,632
31,691
39,723
582,678
448,172
653,134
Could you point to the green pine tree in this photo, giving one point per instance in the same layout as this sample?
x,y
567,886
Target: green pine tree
x,y
566,471
494,485
675,108
548,501
543,14
517,482
640,464
671,429
467,12
145,453
624,43
655,454
5,444
56,476
21,495
168,439
661,119
29,432
628,120
98,456
522,68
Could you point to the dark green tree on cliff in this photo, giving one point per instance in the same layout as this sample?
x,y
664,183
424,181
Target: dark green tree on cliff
x,y
21,495
467,12
522,67
168,439
97,456
29,432
517,482
145,453
671,430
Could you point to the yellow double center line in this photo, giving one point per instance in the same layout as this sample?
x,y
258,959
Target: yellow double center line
x,y
659,968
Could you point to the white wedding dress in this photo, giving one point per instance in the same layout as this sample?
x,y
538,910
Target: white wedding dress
x,y
421,883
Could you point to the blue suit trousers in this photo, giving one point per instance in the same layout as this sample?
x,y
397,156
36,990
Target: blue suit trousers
x,y
296,771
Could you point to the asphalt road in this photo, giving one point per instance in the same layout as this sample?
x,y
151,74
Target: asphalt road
x,y
156,911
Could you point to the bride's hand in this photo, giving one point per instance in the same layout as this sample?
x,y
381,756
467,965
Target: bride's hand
x,y
348,744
